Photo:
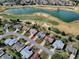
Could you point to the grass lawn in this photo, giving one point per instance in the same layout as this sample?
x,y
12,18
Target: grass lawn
x,y
34,49
77,56
64,54
56,56
27,34
77,44
22,40
20,32
11,29
38,40
11,52
30,18
10,36
47,45
43,55
1,30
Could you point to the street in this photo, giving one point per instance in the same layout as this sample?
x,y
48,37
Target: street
x,y
29,40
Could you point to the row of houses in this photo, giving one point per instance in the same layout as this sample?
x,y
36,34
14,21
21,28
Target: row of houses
x,y
42,2
61,2
24,50
4,55
57,44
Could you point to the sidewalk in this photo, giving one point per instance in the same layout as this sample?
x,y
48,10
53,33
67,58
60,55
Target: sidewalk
x,y
42,44
72,56
53,50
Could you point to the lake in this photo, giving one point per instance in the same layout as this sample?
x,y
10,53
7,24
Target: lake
x,y
67,16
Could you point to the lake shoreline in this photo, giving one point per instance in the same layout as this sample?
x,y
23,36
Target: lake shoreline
x,y
70,8
70,27
64,15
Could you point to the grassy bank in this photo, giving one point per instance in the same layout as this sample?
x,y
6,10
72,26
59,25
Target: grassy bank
x,y
30,18
44,18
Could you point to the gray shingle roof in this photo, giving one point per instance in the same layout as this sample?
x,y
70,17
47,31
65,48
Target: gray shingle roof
x,y
6,56
18,46
58,44
71,49
1,51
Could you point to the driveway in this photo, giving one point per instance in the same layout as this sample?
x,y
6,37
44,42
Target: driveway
x,y
29,40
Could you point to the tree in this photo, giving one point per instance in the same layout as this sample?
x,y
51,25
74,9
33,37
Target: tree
x,y
70,39
0,22
77,37
57,56
5,21
76,2
33,3
63,33
65,40
56,30
14,57
49,28
23,4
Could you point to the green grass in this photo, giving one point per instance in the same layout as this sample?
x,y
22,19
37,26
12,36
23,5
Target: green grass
x,y
22,40
38,40
11,52
44,55
64,54
47,45
77,57
34,49
77,45
30,18
27,34
56,56
1,30
20,32
10,36
11,29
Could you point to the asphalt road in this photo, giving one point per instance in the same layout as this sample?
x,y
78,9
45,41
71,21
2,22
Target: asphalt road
x,y
29,40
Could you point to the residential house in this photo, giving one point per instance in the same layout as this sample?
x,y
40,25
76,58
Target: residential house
x,y
58,44
7,41
18,46
6,56
33,31
71,50
25,28
24,1
41,35
10,41
44,2
6,26
9,3
26,53
1,52
17,26
50,39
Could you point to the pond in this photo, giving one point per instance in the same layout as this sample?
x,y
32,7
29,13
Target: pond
x,y
67,16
